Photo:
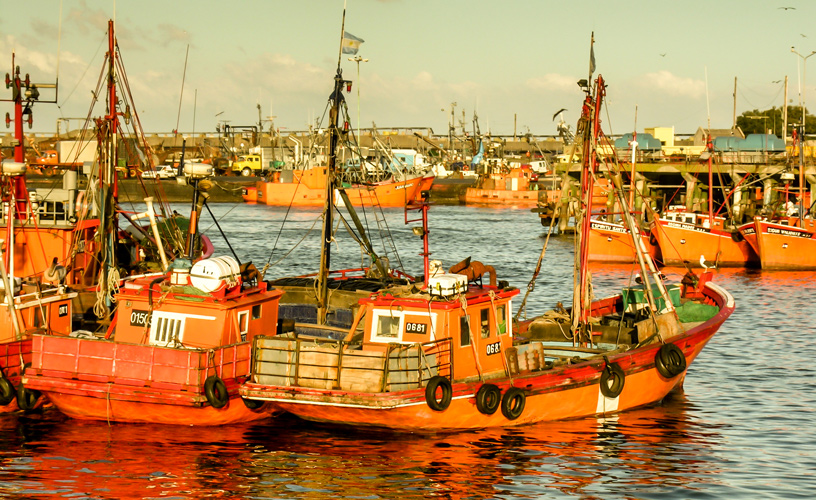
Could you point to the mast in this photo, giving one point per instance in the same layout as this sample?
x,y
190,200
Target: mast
x,y
591,115
107,179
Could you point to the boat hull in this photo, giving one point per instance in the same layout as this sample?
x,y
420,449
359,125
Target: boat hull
x,y
311,192
14,355
113,381
565,392
787,246
682,244
613,243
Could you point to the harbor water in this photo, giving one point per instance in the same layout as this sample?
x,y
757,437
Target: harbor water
x,y
742,427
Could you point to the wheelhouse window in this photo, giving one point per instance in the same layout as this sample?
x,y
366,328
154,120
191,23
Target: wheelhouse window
x,y
484,322
166,329
243,324
392,326
388,326
256,311
501,319
464,330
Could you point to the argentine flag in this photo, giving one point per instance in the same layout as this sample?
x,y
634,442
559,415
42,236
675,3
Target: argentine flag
x,y
351,44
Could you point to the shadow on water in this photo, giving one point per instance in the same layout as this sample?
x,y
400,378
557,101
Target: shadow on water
x,y
653,450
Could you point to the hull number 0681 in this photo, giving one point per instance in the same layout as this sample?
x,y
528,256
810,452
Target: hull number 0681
x,y
493,348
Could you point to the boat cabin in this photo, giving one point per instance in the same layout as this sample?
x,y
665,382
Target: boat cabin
x,y
209,310
474,324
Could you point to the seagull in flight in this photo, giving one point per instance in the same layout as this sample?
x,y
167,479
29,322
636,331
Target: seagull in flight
x,y
788,8
663,54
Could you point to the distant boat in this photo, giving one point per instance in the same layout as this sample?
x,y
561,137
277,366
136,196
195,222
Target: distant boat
x,y
307,188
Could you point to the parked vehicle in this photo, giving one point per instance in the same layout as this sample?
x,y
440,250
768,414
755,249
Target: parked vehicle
x,y
161,172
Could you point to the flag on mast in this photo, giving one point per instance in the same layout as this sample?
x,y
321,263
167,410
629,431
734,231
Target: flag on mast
x,y
351,44
591,57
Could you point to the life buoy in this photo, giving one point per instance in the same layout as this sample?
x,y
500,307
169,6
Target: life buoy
x,y
670,361
612,380
81,205
488,399
216,391
512,403
7,392
252,404
435,384
27,398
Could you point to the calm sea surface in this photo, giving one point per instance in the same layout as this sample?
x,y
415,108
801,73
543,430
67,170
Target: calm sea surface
x,y
744,426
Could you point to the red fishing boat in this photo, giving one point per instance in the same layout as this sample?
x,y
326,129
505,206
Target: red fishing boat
x,y
446,354
176,351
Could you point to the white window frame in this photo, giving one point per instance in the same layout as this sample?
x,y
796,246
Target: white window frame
x,y
378,313
177,320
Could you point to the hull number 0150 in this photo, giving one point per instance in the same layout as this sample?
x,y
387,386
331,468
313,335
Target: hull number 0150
x,y
493,348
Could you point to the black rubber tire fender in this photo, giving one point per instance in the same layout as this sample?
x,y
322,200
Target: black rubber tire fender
x,y
27,398
7,391
513,402
488,399
435,384
252,404
216,391
670,361
612,380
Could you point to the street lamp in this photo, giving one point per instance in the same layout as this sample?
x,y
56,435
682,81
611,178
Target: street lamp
x,y
803,87
358,60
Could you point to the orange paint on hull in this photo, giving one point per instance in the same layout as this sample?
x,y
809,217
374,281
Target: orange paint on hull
x,y
250,194
565,392
613,243
787,246
114,410
680,243
308,190
501,197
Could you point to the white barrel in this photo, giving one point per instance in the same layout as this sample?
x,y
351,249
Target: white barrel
x,y
197,170
12,168
209,275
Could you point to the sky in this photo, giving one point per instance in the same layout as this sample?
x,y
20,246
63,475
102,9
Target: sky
x,y
513,63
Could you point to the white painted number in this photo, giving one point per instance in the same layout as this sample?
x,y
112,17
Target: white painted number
x,y
493,348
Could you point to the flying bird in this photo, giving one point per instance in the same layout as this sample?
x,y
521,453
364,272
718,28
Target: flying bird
x,y
788,8
663,54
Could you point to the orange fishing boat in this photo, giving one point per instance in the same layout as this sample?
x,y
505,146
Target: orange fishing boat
x,y
789,243
446,354
684,237
176,351
612,242
307,188
250,194
508,186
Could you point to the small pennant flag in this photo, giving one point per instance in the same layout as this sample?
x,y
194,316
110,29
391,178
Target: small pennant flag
x,y
351,44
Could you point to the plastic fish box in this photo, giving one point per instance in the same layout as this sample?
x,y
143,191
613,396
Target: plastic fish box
x,y
634,298
445,285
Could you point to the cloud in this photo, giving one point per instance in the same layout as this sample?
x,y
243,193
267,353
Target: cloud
x,y
671,85
553,82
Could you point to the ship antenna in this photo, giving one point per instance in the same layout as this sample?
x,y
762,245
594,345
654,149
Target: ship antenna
x,y
342,33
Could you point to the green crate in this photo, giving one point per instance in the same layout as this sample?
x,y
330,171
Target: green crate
x,y
634,298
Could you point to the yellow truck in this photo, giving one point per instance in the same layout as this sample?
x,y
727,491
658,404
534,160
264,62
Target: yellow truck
x,y
247,165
